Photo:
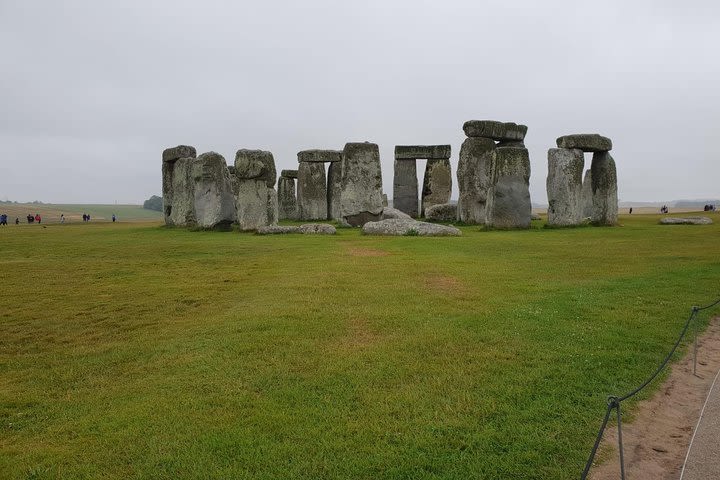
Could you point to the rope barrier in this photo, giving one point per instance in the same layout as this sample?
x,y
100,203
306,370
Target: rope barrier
x,y
613,402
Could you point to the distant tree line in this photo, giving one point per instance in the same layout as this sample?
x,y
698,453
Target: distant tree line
x,y
154,203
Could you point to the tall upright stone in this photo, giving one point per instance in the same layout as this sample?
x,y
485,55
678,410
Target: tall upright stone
x,y
474,175
405,187
437,183
508,204
214,203
604,189
169,157
564,186
312,191
255,172
587,197
361,197
287,199
334,189
182,210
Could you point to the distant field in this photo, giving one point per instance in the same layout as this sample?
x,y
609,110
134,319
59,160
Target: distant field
x,y
50,213
140,351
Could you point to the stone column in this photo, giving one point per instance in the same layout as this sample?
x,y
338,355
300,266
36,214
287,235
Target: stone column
x,y
361,190
474,173
508,204
405,187
255,172
169,157
312,191
334,187
564,186
214,203
437,183
604,189
587,202
287,200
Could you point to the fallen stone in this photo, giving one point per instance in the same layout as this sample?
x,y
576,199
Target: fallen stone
x,y
287,200
409,227
500,131
442,212
564,187
334,189
405,187
587,142
312,191
509,204
361,198
474,175
413,152
390,212
289,173
604,189
320,156
277,229
317,229
686,221
437,184
176,153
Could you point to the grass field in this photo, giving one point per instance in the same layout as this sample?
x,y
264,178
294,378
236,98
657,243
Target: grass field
x,y
139,351
50,212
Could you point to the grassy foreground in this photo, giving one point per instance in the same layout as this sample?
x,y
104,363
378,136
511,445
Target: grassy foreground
x,y
137,351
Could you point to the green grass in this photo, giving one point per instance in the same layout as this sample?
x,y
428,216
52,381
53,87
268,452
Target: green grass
x,y
138,351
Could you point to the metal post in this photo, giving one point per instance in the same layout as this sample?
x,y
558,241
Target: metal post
x,y
620,442
695,341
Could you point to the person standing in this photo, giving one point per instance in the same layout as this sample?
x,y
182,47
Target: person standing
x,y
37,218
17,220
62,218
113,217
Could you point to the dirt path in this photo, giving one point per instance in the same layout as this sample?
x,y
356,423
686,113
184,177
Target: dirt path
x,y
657,440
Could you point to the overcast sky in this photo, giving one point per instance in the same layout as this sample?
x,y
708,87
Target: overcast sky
x,y
92,92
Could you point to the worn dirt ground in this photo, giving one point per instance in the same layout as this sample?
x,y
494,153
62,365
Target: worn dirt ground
x,y
657,438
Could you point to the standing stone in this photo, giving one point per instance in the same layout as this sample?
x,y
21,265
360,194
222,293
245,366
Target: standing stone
x,y
182,211
361,195
604,189
564,186
273,209
214,203
312,191
474,173
334,187
405,187
437,183
287,201
255,172
169,157
587,201
508,204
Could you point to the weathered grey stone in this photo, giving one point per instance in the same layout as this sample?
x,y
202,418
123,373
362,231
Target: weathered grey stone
x,y
287,200
317,229
535,216
273,209
289,173
511,143
409,227
564,187
277,229
361,195
501,131
252,203
587,142
231,169
474,175
509,196
255,164
587,201
176,153
334,189
214,203
413,152
405,187
437,184
385,200
389,212
312,191
319,156
686,221
442,212
604,189
182,211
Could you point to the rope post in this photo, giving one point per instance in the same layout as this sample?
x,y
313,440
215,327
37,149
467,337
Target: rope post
x,y
695,340
620,441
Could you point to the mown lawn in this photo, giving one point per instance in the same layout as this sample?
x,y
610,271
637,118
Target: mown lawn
x,y
138,351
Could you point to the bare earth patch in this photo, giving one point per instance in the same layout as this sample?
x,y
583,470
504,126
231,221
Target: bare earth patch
x,y
657,439
359,335
366,252
443,284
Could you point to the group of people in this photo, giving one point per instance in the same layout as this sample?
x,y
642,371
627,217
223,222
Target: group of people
x,y
709,208
38,219
30,219
664,209
86,218
3,219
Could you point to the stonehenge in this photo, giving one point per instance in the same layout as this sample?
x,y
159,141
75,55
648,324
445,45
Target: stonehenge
x,y
437,182
572,199
287,199
508,204
361,197
256,201
318,195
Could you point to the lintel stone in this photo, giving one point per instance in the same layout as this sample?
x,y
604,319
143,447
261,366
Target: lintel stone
x,y
320,156
498,131
430,152
587,142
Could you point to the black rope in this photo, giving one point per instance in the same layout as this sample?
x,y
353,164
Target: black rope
x,y
614,402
